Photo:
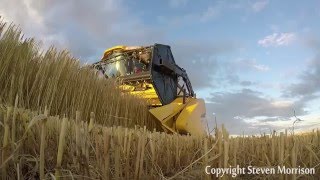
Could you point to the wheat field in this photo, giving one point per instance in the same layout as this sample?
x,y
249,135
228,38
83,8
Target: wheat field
x,y
58,81
58,120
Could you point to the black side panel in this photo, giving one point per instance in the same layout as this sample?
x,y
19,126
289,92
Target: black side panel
x,y
163,76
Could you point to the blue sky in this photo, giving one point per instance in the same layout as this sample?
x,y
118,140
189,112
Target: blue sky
x,y
254,62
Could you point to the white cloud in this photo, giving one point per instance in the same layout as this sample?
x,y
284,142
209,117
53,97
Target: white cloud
x,y
282,104
64,24
277,39
259,6
27,17
251,64
261,67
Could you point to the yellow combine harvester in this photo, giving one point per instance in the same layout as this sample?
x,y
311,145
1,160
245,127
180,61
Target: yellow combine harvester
x,y
151,73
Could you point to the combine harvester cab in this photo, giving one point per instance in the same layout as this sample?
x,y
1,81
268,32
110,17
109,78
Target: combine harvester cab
x,y
150,72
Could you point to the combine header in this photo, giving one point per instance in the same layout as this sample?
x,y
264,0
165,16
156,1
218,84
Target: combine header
x,y
150,72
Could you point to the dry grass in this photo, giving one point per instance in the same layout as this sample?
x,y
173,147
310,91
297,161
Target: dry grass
x,y
70,149
57,81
